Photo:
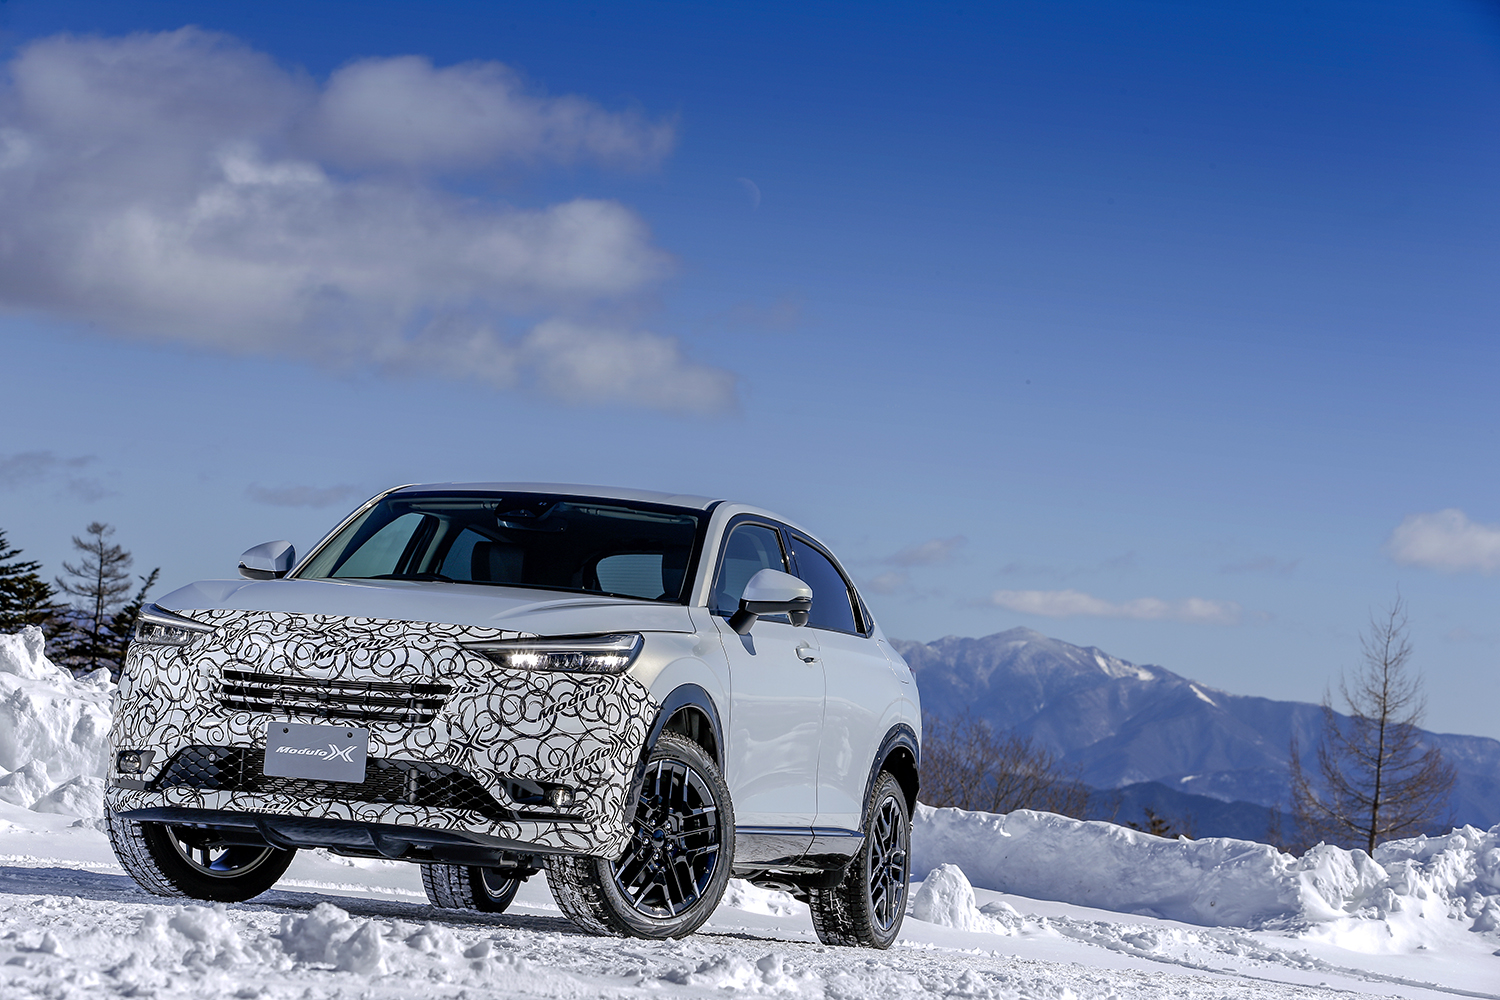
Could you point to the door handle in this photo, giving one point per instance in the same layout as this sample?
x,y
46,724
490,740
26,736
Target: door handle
x,y
807,654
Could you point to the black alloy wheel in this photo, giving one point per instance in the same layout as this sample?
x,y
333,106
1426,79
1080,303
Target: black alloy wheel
x,y
211,857
889,861
676,863
674,847
498,888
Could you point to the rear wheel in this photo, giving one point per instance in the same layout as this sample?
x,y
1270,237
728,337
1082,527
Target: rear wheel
x,y
677,863
194,862
468,887
868,904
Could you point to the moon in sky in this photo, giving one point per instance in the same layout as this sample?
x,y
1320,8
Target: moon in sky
x,y
752,189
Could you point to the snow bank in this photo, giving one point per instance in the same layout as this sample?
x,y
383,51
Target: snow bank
x,y
947,899
1404,896
53,730
1218,882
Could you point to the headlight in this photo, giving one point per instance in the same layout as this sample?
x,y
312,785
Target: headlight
x,y
158,627
590,654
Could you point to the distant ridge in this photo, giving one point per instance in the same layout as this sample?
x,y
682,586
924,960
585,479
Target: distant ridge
x,y
1125,724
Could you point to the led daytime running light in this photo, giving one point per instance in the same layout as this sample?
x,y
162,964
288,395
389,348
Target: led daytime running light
x,y
156,626
601,654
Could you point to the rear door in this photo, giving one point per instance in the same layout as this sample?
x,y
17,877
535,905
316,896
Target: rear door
x,y
859,687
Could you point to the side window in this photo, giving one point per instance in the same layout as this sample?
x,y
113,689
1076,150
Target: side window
x,y
635,574
750,549
831,607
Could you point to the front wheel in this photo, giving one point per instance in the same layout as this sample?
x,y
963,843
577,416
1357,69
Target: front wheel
x,y
194,862
868,904
677,863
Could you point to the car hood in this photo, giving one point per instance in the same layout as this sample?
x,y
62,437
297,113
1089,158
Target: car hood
x,y
544,612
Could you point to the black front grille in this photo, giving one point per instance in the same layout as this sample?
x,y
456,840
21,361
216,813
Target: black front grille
x,y
403,782
367,701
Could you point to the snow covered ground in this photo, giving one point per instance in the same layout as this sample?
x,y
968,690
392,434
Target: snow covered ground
x,y
1024,905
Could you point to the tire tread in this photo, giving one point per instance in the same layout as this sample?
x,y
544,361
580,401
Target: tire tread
x,y
841,915
156,867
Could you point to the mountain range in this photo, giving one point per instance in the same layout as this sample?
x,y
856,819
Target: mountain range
x,y
1155,736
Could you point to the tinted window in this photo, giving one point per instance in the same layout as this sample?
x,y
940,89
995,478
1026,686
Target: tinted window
x,y
520,540
636,573
750,549
831,607
381,553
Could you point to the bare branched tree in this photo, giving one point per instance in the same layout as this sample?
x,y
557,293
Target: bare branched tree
x,y
1375,780
965,763
99,584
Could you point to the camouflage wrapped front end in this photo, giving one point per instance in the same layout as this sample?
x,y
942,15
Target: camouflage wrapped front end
x,y
456,742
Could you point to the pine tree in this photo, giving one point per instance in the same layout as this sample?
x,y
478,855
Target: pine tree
x,y
1375,779
98,584
25,598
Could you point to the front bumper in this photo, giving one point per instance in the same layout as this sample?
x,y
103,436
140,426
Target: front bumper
x,y
439,715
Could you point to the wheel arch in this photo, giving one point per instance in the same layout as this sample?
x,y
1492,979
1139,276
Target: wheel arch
x,y
690,710
901,754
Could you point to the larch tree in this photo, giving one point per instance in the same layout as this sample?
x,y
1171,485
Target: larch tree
x,y
1374,780
99,584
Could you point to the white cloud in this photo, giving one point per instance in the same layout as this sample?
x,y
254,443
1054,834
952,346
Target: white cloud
x,y
929,553
182,187
1076,604
888,583
1446,540
601,365
402,111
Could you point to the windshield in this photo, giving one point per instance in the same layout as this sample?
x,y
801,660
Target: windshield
x,y
613,547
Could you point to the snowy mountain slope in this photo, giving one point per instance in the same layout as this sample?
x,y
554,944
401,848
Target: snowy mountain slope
x,y
1123,723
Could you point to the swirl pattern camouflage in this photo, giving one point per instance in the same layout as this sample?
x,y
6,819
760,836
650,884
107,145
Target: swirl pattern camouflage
x,y
499,725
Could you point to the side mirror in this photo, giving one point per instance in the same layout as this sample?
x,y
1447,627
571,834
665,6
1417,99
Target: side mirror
x,y
772,592
270,561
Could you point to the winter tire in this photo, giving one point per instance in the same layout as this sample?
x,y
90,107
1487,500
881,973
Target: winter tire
x,y
868,904
677,863
189,861
468,887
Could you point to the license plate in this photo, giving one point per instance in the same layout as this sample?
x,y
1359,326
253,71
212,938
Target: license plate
x,y
326,753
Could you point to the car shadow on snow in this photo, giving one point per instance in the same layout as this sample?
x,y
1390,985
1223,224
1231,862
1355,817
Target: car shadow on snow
x,y
107,888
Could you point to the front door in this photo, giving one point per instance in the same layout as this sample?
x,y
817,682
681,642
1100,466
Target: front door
x,y
776,694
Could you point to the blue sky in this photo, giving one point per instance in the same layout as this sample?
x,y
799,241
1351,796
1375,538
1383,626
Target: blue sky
x,y
1162,327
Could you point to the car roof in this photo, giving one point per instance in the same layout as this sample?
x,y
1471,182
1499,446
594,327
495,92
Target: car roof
x,y
571,490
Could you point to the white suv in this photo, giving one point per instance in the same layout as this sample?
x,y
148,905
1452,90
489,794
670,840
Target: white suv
x,y
640,693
